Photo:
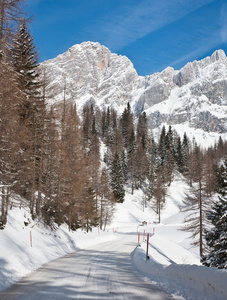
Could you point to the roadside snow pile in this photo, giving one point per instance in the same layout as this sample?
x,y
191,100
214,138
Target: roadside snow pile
x,y
193,282
24,248
174,264
166,252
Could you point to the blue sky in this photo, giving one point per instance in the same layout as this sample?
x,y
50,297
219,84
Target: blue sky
x,y
153,34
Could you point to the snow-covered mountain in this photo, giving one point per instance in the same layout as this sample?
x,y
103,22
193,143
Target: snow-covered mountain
x,y
90,73
195,96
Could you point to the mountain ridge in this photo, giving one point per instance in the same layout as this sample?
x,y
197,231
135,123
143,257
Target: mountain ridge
x,y
194,96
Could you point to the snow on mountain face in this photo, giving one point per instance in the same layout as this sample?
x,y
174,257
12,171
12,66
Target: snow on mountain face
x,y
90,73
195,96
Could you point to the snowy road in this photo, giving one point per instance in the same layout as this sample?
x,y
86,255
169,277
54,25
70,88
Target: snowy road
x,y
104,271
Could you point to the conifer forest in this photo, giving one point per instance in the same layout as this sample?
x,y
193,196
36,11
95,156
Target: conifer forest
x,y
72,167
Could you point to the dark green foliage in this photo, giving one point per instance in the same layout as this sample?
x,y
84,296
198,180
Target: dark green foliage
x,y
117,179
222,178
162,144
124,165
88,213
185,154
25,61
179,156
31,111
216,238
127,126
142,130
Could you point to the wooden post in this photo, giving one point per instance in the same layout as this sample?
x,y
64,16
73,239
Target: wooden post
x,y
147,257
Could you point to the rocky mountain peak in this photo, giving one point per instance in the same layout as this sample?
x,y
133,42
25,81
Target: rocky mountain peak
x,y
92,74
194,96
218,55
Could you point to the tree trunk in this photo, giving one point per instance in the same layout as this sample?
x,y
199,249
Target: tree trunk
x,y
200,220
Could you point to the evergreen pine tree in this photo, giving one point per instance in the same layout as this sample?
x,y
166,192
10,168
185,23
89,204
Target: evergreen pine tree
x,y
151,178
117,179
185,154
141,165
32,114
25,61
106,199
169,162
123,159
88,214
162,145
179,156
142,130
127,125
216,237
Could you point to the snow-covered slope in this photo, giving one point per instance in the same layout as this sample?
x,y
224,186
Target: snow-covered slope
x,y
24,248
174,264
195,96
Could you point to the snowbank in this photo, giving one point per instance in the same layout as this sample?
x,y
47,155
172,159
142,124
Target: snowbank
x,y
193,282
174,264
23,248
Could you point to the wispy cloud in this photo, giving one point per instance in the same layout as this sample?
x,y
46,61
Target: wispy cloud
x,y
211,38
200,51
223,21
142,19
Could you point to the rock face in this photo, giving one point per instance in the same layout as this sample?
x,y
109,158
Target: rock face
x,y
90,73
196,95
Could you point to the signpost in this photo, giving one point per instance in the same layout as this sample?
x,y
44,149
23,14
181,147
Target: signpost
x,y
147,256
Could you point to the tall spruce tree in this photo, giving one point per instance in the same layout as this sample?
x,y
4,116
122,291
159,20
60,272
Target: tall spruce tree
x,y
127,126
106,199
179,156
32,115
91,144
117,179
25,61
185,154
88,214
142,130
216,237
162,145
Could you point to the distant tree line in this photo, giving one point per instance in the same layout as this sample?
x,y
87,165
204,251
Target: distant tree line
x,y
73,169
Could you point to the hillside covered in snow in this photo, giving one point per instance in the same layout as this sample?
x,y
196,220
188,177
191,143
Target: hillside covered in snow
x,y
173,265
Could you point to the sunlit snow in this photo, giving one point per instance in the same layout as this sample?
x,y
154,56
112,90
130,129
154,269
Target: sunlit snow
x,y
173,263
